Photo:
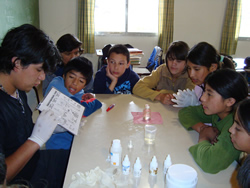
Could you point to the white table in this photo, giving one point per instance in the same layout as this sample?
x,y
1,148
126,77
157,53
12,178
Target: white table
x,y
91,146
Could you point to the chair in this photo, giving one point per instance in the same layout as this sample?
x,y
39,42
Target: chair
x,y
155,59
33,99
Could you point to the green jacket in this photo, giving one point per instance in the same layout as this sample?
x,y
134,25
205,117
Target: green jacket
x,y
161,81
211,158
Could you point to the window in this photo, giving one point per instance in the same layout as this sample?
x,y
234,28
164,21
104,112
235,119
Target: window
x,y
245,17
126,16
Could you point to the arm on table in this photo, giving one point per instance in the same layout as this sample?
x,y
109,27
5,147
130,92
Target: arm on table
x,y
144,87
192,117
213,158
165,98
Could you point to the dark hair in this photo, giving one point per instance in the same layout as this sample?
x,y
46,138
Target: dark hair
x,y
177,50
82,65
226,61
243,175
242,111
205,54
119,49
31,46
68,42
228,83
247,62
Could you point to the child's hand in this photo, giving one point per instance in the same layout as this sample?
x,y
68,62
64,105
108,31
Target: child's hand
x,y
111,76
209,133
165,98
87,96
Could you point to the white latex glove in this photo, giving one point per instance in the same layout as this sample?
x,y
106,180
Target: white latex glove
x,y
44,127
185,98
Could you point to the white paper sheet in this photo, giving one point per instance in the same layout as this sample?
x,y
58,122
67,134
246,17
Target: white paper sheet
x,y
69,111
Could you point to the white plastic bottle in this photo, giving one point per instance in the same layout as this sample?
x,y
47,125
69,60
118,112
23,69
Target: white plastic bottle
x,y
147,113
153,167
116,152
126,165
167,164
137,168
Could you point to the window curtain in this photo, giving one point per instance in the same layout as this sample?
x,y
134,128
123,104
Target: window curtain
x,y
86,27
231,27
166,23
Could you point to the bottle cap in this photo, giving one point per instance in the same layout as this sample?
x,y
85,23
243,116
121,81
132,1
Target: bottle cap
x,y
154,162
116,143
137,164
126,161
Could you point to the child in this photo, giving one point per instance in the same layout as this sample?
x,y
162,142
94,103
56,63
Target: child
x,y
70,47
26,54
202,59
167,78
240,136
223,89
240,130
77,74
116,77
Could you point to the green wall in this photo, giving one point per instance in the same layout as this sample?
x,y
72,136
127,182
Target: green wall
x,y
17,12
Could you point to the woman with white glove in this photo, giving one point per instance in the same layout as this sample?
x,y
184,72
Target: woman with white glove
x,y
201,60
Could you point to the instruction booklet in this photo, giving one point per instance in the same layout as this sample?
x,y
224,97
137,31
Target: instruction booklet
x,y
69,111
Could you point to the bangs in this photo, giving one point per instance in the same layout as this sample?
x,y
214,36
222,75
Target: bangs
x,y
177,50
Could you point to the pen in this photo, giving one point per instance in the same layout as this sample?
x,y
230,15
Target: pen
x,y
110,107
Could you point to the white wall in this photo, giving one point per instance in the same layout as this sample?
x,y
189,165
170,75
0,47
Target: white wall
x,y
194,21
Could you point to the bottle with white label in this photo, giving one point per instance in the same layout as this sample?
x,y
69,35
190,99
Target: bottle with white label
x,y
153,167
147,113
167,164
126,165
116,152
137,168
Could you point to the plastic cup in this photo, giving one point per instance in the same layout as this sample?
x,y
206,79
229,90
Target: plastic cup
x,y
181,176
150,132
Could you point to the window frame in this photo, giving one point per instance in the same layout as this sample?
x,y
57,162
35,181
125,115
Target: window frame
x,y
244,38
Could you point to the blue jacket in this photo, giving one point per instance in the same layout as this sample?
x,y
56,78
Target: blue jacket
x,y
124,85
63,140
